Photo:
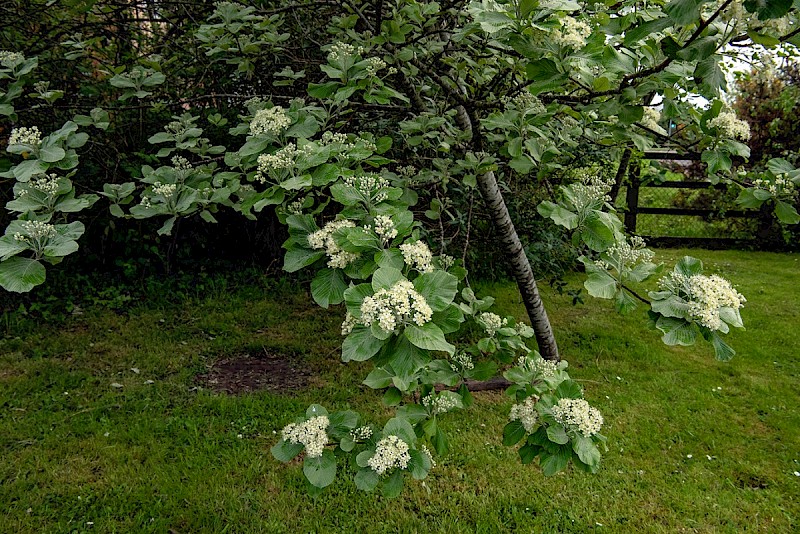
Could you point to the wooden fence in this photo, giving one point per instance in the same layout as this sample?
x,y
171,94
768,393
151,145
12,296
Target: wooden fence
x,y
634,210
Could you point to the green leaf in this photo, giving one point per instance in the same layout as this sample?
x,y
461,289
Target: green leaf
x,y
624,302
10,246
683,12
390,258
285,451
676,331
360,345
786,213
554,462
559,214
768,9
51,154
393,486
378,378
328,287
353,296
297,258
711,75
428,337
386,277
438,287
320,471
20,275
392,396
254,145
600,284
673,306
557,434
400,427
587,451
528,453
449,320
597,231
569,389
439,442
366,479
722,351
513,433
689,266
419,465
28,168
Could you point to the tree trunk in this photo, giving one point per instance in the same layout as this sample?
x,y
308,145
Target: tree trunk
x,y
514,251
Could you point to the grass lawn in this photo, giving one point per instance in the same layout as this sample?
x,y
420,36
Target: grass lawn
x,y
103,427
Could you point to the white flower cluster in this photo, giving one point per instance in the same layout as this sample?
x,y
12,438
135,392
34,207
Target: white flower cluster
x,y
523,330
167,190
526,413
626,254
407,171
577,414
375,65
462,362
590,190
738,19
271,120
348,324
370,186
390,453
572,34
730,126
439,403
491,322
281,159
47,184
651,118
181,164
310,433
709,294
392,307
361,433
9,59
25,136
340,51
780,188
337,258
446,261
35,231
384,228
527,102
705,295
424,450
295,208
540,367
418,256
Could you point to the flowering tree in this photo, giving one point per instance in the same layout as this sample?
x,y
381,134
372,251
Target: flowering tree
x,y
485,89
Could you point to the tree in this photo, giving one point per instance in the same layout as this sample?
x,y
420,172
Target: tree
x,y
466,93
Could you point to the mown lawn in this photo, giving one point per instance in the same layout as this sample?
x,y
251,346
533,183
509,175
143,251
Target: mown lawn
x,y
90,444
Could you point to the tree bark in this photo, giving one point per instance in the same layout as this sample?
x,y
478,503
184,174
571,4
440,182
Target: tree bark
x,y
512,246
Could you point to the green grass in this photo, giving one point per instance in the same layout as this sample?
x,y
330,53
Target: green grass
x,y
166,455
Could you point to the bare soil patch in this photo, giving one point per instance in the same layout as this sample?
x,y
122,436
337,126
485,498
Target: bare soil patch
x,y
245,373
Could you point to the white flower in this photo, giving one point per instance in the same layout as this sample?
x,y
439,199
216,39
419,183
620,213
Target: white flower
x,y
706,296
572,34
281,159
272,121
181,164
25,136
337,258
651,118
730,126
47,184
375,64
36,233
390,308
625,254
424,450
339,51
526,414
439,403
384,228
590,191
361,433
348,324
462,362
310,433
491,322
418,256
391,452
525,102
369,186
578,415
166,190
541,368
9,59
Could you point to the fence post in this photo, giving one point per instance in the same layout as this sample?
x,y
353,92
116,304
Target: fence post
x,y
632,197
